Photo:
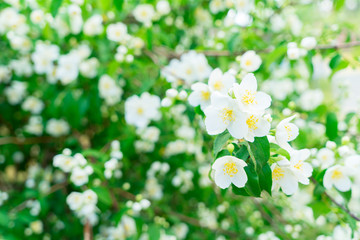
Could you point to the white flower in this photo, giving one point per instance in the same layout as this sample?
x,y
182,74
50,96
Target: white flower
x,y
217,6
35,125
311,99
109,90
301,169
163,7
76,21
93,26
283,177
37,16
5,74
144,13
88,68
68,68
15,93
200,95
90,197
33,105
224,113
229,169
249,99
129,225
75,200
338,176
257,126
80,176
286,132
293,53
117,32
308,43
250,61
64,162
326,157
139,111
220,82
57,128
352,163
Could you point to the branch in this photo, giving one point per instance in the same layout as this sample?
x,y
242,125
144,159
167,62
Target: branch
x,y
25,141
87,231
339,45
336,203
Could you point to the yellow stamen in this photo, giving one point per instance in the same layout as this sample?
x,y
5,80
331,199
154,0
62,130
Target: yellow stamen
x,y
227,115
248,97
251,122
277,173
230,169
205,95
336,174
218,85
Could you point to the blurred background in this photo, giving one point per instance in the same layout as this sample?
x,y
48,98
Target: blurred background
x,y
98,139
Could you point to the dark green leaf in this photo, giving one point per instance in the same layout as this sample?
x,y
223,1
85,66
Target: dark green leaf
x,y
331,126
54,7
265,178
261,150
334,62
119,4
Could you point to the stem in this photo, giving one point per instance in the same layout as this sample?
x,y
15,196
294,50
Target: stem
x,y
251,154
87,231
336,203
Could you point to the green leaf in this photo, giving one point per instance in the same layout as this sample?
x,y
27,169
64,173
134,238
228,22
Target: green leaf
x,y
149,38
338,4
346,195
54,7
265,178
103,195
335,61
240,191
119,4
319,208
252,187
261,150
220,141
154,232
331,126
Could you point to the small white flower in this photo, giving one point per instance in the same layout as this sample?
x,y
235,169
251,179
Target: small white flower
x,y
117,32
144,13
308,43
163,7
250,61
229,169
75,200
283,177
257,126
301,169
249,99
219,82
33,105
326,157
200,95
286,132
338,176
57,128
93,26
224,113
139,111
80,176
37,16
